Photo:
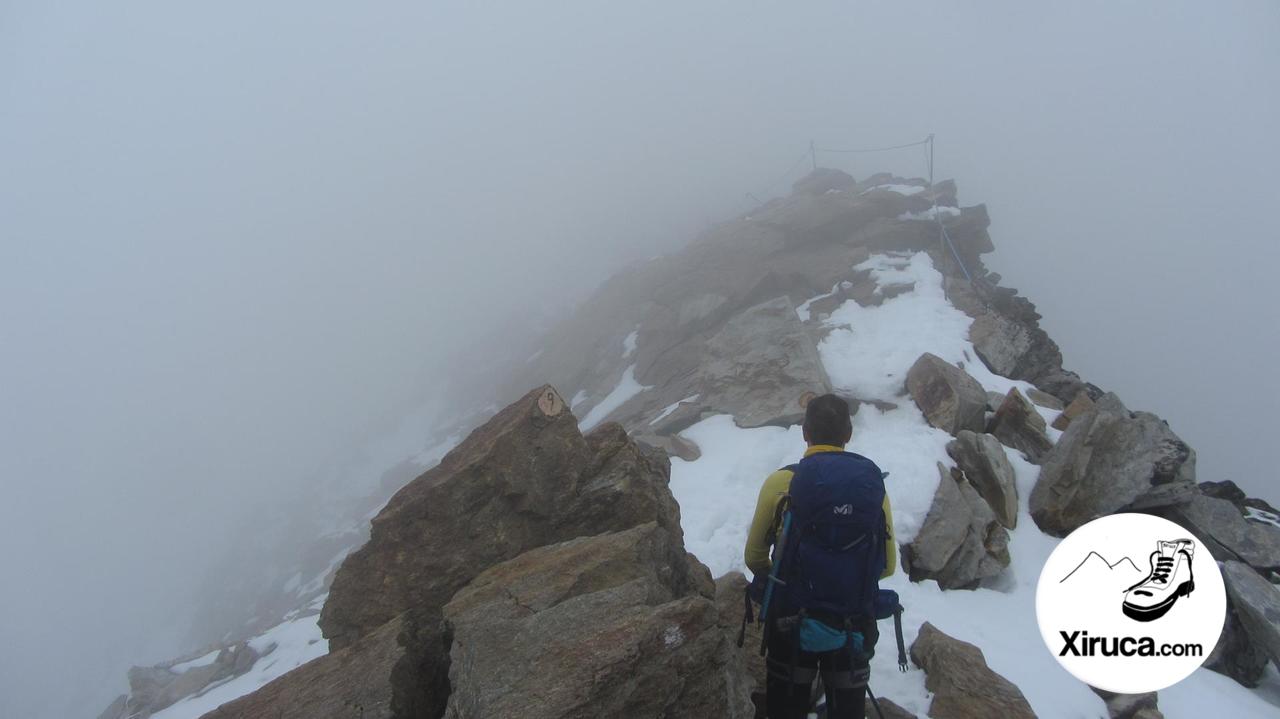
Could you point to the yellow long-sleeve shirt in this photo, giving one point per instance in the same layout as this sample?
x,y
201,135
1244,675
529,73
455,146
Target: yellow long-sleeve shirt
x,y
762,533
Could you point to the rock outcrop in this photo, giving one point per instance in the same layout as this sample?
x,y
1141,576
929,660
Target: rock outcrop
x,y
760,363
392,672
1108,460
1044,399
531,552
1236,655
961,542
729,593
525,478
153,688
1229,491
1220,526
1066,386
963,686
1257,604
1014,349
950,399
982,459
1018,425
1081,404
621,624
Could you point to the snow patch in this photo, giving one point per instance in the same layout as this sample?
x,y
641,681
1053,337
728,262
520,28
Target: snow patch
x,y
285,647
1261,515
931,214
900,189
629,343
672,407
717,492
803,310
627,388
869,350
196,663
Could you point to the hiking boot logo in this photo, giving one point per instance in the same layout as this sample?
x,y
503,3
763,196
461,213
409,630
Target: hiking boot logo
x,y
1170,577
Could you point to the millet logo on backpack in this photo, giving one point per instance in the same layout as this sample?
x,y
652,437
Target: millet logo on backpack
x,y
843,509
1130,603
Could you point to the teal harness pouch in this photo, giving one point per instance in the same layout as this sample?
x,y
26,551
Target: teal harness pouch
x,y
818,637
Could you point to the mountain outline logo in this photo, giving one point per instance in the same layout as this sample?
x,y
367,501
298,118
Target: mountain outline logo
x,y
1110,565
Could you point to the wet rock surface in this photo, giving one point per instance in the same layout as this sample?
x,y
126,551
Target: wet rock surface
x,y
963,686
961,542
1111,459
950,399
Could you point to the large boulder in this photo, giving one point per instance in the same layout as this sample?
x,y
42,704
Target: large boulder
x,y
529,519
730,588
1046,400
620,624
1257,604
1220,526
962,684
950,399
1236,655
982,459
525,478
386,674
1228,490
961,542
1111,459
1013,349
1081,404
1019,425
1066,385
759,364
823,180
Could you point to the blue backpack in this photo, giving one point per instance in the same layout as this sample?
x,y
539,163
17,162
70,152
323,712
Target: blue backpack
x,y
830,554
833,544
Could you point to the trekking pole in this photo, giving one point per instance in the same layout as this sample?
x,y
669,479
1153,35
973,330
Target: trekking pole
x,y
871,695
897,632
773,579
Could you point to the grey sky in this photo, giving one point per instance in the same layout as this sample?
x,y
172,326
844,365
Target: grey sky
x,y
235,236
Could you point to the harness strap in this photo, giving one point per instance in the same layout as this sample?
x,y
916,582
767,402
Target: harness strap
x,y
795,653
795,675
848,679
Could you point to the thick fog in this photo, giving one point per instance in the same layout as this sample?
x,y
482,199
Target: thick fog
x,y
238,237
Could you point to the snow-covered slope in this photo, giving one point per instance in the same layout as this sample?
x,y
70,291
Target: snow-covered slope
x,y
284,647
868,355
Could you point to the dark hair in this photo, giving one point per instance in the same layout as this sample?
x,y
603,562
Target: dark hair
x,y
826,420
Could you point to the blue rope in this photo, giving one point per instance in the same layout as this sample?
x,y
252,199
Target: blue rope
x,y
942,228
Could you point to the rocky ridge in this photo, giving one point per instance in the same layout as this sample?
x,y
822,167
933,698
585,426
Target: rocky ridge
x,y
731,326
